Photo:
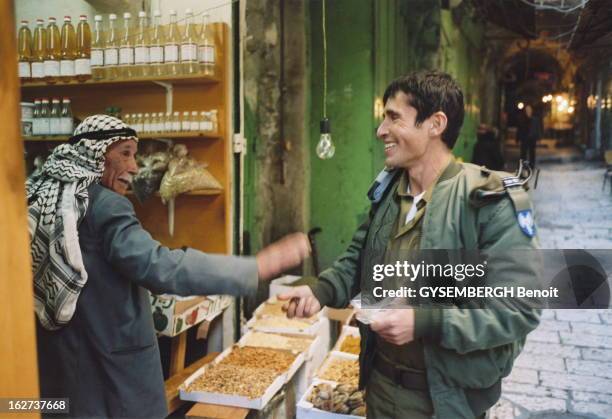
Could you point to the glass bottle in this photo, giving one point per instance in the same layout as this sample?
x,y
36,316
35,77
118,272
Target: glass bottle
x,y
53,52
82,64
138,126
44,117
127,119
168,122
54,117
97,50
111,49
195,124
189,46
126,51
141,46
39,51
36,117
24,50
214,122
146,123
66,120
69,50
156,49
185,123
171,47
206,47
176,121
203,123
161,122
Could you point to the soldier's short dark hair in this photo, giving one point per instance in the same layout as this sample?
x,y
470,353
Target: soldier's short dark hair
x,y
429,92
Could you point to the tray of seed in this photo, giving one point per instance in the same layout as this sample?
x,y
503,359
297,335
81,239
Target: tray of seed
x,y
349,341
330,400
285,341
282,324
340,367
274,308
241,376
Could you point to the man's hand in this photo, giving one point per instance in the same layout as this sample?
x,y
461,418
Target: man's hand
x,y
284,254
302,302
396,326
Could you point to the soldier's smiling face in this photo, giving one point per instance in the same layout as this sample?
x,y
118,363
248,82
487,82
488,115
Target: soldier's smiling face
x,y
405,143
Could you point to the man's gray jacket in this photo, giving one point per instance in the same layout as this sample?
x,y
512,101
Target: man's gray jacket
x,y
106,360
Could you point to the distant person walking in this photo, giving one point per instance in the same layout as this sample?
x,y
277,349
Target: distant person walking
x,y
487,150
528,133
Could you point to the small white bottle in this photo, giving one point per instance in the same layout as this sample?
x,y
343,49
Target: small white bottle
x,y
138,125
54,117
185,123
36,117
176,121
44,117
214,122
146,123
195,125
168,122
66,119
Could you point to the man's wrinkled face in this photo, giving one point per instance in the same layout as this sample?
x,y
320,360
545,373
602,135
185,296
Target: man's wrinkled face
x,y
405,143
120,166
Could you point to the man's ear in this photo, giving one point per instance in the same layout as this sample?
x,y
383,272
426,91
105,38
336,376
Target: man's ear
x,y
437,124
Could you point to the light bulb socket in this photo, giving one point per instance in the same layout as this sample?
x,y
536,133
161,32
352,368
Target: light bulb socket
x,y
325,126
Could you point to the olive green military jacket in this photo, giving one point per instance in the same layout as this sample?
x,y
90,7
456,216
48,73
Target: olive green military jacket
x,y
467,351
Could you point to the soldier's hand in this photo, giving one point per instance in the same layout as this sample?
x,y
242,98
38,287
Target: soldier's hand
x,y
301,302
396,326
282,255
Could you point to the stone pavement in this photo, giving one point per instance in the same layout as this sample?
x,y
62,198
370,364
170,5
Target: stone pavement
x,y
565,370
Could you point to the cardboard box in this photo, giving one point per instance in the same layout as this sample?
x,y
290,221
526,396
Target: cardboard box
x,y
173,314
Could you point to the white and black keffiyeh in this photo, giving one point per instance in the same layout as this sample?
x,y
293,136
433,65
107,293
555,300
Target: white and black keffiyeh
x,y
57,202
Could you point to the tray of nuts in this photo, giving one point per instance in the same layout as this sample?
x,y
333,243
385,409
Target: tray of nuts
x,y
340,367
330,400
280,324
274,308
349,341
242,376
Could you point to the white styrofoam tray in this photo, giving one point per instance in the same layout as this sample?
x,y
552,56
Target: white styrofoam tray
x,y
232,399
306,410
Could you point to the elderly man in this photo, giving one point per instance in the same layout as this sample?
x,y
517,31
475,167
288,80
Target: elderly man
x,y
441,362
92,264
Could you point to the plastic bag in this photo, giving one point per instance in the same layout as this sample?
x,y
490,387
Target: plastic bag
x,y
150,173
185,174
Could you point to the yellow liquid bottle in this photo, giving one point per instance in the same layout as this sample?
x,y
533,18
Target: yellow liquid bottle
x,y
111,50
69,50
206,48
82,63
39,51
156,46
141,47
53,52
126,49
24,50
189,46
97,50
171,47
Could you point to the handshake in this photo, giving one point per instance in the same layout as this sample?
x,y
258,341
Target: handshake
x,y
280,256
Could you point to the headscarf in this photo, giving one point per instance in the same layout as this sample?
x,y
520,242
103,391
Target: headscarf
x,y
57,202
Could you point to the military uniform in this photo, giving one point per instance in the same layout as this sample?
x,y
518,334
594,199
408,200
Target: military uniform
x,y
454,366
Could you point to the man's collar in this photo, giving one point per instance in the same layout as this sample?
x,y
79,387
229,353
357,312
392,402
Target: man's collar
x,y
450,170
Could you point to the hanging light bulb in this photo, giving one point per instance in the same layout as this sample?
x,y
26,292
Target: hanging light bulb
x,y
325,147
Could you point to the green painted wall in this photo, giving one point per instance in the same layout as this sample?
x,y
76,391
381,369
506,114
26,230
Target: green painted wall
x,y
461,56
338,186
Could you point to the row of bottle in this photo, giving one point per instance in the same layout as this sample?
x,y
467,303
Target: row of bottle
x,y
53,56
159,122
52,117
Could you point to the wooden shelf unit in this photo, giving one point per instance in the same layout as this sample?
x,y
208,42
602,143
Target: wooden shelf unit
x,y
202,218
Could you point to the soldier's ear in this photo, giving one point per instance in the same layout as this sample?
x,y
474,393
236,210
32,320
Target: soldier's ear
x,y
438,123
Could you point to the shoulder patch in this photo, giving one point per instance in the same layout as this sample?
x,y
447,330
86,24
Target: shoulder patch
x,y
526,222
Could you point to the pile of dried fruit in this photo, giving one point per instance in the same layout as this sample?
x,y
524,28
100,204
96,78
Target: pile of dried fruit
x,y
271,340
345,399
265,358
345,371
350,344
227,379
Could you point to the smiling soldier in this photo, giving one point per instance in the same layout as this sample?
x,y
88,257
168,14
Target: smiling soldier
x,y
432,362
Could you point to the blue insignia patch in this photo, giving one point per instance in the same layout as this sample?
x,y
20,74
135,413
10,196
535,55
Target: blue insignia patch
x,y
526,223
